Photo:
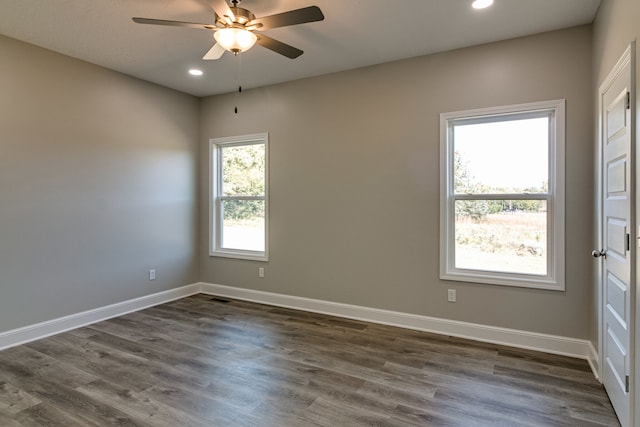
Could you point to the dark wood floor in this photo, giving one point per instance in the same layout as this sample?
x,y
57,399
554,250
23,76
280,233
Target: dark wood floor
x,y
204,361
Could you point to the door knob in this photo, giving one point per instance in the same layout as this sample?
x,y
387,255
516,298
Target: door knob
x,y
599,253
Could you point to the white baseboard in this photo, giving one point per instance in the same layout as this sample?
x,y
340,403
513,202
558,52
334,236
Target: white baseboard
x,y
510,337
51,327
573,347
594,361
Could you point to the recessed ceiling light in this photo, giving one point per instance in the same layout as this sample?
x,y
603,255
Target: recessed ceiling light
x,y
195,72
481,4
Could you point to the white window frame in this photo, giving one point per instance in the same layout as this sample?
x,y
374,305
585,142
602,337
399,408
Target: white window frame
x,y
555,198
216,197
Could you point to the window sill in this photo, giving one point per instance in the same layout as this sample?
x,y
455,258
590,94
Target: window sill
x,y
488,278
245,255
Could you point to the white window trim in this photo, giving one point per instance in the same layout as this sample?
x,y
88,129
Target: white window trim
x,y
215,224
555,279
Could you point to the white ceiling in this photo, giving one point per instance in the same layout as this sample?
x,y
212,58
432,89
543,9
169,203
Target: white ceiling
x,y
355,33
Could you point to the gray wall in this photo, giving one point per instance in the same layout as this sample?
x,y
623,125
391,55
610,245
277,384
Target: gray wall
x,y
355,180
97,186
615,26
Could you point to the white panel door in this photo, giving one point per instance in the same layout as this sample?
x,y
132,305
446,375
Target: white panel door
x,y
618,253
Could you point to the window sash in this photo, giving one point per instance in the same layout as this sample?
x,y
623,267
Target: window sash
x,y
217,198
554,197
501,196
503,117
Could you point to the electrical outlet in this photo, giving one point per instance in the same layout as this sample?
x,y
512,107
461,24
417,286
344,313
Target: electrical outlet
x,y
261,272
451,295
152,274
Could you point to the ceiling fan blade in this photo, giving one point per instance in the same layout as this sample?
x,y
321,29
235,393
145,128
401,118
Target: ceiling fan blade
x,y
214,53
221,8
173,23
278,46
292,17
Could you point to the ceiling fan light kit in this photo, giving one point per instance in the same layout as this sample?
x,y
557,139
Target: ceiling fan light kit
x,y
235,40
481,4
235,28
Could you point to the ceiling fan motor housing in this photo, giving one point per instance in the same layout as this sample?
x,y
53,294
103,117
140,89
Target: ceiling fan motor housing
x,y
243,16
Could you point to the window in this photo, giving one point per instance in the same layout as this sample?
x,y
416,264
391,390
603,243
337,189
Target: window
x,y
502,195
239,197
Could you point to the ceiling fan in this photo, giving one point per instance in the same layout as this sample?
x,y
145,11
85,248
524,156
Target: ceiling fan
x,y
237,30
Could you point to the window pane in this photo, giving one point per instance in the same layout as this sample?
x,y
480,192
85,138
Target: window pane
x,y
243,170
502,157
508,236
243,225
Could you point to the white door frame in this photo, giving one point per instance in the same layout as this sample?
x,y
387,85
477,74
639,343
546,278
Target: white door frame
x,y
628,57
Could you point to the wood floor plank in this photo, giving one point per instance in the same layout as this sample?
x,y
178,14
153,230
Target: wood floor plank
x,y
550,360
13,399
40,364
208,361
211,407
69,401
496,410
579,375
477,386
430,416
541,381
100,364
6,421
329,412
395,394
144,410
151,370
47,415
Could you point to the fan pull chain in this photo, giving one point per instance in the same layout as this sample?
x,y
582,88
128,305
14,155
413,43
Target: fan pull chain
x,y
238,79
